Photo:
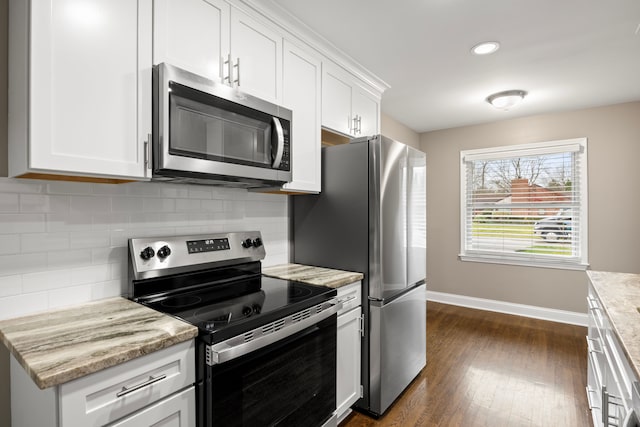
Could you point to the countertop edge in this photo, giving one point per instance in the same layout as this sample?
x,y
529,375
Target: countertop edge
x,y
116,355
633,360
313,275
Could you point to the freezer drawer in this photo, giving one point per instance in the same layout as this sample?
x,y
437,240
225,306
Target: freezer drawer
x,y
398,346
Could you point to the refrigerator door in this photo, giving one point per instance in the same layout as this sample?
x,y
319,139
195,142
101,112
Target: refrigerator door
x,y
398,346
416,216
387,218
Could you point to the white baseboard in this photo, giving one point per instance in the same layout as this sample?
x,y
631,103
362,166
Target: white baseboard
x,y
562,316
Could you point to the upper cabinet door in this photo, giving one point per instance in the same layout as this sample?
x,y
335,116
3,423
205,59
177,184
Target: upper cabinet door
x,y
366,112
192,34
336,100
256,57
302,79
90,86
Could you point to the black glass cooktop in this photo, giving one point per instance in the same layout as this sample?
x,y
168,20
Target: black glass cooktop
x,y
228,309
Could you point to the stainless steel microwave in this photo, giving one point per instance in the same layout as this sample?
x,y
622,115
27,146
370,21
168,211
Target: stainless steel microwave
x,y
209,133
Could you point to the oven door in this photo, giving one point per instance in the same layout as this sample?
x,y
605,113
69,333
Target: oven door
x,y
289,383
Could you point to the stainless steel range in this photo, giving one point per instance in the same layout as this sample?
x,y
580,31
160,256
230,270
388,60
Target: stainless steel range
x,y
266,347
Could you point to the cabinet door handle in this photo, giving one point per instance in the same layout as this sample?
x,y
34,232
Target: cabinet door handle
x,y
229,65
237,67
355,125
151,380
360,125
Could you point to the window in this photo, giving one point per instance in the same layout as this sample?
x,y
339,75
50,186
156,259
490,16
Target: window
x,y
525,204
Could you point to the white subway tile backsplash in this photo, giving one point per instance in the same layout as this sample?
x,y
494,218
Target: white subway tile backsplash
x,y
44,203
21,264
89,239
21,223
158,205
67,222
9,244
68,259
187,205
10,285
66,242
89,204
46,280
23,304
44,242
64,187
126,204
93,274
9,202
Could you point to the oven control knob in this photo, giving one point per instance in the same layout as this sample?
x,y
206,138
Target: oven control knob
x,y
257,309
164,251
147,253
247,243
257,242
247,311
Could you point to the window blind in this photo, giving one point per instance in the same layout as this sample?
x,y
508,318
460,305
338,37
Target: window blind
x,y
525,204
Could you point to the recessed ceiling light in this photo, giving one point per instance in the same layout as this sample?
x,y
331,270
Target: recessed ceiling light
x,y
507,99
485,48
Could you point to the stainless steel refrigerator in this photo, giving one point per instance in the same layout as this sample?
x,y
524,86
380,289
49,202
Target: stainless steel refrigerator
x,y
371,217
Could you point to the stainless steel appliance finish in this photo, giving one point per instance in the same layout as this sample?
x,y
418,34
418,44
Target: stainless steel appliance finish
x,y
266,348
371,217
400,337
210,133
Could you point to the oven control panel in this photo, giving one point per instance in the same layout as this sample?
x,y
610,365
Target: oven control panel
x,y
208,245
154,256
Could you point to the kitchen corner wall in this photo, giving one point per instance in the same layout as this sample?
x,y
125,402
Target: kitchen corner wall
x,y
613,134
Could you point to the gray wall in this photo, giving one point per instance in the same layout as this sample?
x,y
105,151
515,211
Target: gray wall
x,y
393,129
613,134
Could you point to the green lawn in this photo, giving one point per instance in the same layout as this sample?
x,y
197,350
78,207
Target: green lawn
x,y
559,249
496,229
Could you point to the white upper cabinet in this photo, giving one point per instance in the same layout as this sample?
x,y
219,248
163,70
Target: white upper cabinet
x,y
301,94
215,40
80,88
347,106
192,35
256,57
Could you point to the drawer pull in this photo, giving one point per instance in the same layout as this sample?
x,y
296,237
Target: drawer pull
x,y
346,300
148,382
592,348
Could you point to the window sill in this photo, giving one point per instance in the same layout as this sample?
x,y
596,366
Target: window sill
x,y
524,263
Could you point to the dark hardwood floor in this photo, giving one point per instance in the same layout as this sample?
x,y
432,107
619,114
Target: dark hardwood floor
x,y
492,369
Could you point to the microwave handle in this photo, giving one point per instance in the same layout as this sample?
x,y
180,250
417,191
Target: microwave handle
x,y
277,159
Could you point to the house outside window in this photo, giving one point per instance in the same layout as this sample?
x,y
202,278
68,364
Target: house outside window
x,y
525,204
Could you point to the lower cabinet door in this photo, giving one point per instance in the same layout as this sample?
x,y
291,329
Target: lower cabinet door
x,y
178,410
348,363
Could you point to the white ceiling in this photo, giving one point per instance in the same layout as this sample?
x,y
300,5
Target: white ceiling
x,y
567,54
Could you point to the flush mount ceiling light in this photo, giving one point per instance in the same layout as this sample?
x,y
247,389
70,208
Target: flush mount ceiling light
x,y
507,99
485,48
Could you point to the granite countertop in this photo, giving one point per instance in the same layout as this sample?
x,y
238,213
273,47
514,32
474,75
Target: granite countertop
x,y
61,345
313,275
620,296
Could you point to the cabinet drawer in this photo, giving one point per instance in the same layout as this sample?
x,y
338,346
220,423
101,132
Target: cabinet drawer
x,y
350,296
115,392
178,410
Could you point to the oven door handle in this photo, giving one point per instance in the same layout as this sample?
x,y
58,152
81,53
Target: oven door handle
x,y
271,333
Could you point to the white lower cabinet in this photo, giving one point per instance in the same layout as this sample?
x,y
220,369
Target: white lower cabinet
x,y
609,375
155,389
349,337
